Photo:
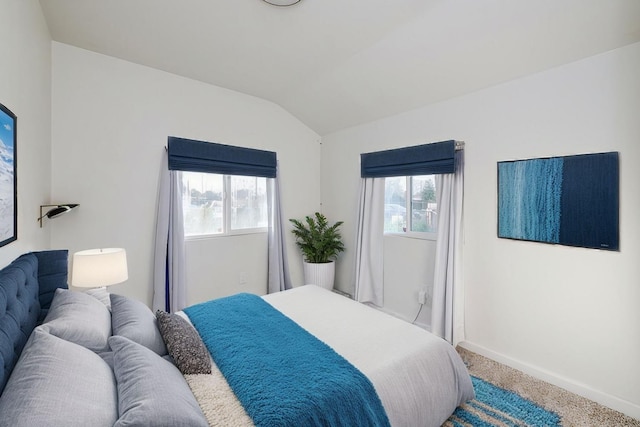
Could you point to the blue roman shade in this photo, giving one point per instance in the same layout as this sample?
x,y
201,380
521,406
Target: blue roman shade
x,y
199,156
426,159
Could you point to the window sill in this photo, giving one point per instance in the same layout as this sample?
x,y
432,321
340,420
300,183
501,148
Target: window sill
x,y
413,235
233,234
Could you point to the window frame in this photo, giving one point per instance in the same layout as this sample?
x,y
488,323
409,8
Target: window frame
x,y
226,214
410,234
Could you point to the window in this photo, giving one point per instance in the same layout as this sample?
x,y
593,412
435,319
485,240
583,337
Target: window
x,y
415,195
223,204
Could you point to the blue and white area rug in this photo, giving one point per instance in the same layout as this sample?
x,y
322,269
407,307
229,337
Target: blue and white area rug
x,y
494,406
508,397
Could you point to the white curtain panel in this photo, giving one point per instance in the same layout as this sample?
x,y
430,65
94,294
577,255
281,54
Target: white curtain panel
x,y
278,267
169,269
447,312
369,272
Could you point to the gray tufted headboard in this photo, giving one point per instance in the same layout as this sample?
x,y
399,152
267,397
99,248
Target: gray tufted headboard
x,y
27,286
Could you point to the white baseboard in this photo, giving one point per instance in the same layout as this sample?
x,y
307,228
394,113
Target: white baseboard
x,y
628,408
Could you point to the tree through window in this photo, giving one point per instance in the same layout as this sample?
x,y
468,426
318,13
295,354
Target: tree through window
x,y
410,204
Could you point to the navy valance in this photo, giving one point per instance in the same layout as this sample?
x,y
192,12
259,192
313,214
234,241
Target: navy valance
x,y
199,156
426,159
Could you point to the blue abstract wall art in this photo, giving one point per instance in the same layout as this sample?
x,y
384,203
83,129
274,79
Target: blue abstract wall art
x,y
570,200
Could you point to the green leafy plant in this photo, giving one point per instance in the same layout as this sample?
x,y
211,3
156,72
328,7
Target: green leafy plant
x,y
318,241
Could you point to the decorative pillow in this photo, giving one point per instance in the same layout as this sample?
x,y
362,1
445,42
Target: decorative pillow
x,y
79,318
184,344
134,320
101,294
151,391
58,383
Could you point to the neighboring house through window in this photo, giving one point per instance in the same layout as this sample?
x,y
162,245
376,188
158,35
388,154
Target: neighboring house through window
x,y
215,204
415,195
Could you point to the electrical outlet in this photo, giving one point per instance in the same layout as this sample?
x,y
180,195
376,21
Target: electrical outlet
x,y
242,278
422,297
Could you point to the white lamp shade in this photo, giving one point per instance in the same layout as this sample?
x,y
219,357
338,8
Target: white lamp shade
x,y
99,267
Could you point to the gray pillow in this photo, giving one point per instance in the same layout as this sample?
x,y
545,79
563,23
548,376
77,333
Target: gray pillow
x,y
101,294
134,320
58,383
151,391
184,344
79,318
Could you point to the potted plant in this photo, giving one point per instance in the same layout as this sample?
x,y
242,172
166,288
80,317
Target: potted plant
x,y
320,244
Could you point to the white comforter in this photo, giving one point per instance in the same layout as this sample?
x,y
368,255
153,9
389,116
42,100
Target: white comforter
x,y
419,377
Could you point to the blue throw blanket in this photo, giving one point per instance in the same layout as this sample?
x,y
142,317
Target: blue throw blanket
x,y
283,375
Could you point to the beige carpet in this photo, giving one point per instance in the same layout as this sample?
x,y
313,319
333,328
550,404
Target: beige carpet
x,y
573,410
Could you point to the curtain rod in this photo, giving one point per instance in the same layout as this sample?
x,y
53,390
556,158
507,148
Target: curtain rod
x,y
459,145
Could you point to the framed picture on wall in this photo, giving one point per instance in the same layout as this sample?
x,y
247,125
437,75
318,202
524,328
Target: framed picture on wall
x,y
8,182
570,200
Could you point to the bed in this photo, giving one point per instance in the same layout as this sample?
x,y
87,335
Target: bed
x,y
71,358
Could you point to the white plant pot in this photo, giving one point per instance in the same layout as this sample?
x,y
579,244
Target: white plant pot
x,y
319,274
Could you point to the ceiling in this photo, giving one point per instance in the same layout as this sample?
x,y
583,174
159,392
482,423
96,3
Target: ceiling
x,y
338,63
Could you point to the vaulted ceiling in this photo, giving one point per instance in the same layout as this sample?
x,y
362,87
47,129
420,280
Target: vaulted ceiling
x,y
338,63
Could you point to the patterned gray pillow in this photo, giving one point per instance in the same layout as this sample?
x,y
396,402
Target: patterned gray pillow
x,y
184,344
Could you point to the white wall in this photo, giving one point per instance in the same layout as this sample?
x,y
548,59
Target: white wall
x,y
567,314
408,269
25,88
111,119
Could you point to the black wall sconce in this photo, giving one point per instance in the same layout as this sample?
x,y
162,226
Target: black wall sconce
x,y
56,210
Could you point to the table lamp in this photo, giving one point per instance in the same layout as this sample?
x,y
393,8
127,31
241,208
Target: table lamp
x,y
96,268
